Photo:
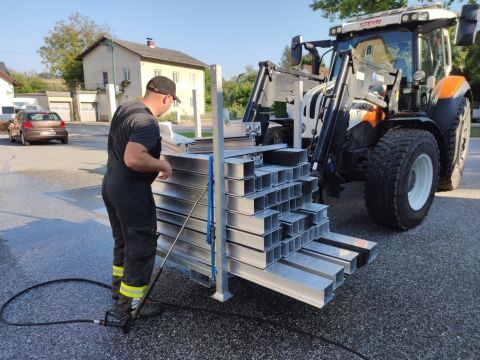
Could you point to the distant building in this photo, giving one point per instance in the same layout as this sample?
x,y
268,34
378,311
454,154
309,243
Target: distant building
x,y
7,91
136,63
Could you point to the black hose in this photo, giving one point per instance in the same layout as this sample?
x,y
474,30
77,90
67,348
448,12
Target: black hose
x,y
71,321
177,306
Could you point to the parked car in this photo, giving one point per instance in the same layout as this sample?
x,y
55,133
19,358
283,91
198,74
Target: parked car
x,y
35,125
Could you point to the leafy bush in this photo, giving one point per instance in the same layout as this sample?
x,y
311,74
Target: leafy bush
x,y
170,116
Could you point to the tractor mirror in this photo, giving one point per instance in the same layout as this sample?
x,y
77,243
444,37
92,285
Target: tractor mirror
x,y
468,25
296,50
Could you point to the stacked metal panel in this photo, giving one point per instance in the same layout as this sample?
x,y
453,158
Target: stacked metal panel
x,y
276,236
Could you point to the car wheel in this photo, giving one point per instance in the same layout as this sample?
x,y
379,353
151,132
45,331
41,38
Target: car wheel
x,y
64,141
24,141
402,178
10,137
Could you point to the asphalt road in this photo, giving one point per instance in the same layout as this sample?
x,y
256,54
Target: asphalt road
x,y
418,300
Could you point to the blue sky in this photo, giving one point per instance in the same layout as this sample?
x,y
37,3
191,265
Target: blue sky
x,y
230,33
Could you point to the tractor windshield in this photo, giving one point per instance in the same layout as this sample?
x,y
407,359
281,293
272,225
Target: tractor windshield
x,y
391,48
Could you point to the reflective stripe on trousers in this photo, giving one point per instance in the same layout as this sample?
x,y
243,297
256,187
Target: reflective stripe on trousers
x,y
135,292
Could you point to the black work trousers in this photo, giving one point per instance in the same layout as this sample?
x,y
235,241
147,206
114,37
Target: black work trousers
x,y
131,211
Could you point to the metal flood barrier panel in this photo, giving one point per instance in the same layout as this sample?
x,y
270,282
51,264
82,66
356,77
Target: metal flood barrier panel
x,y
275,235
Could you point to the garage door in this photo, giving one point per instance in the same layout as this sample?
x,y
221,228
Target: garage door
x,y
88,111
63,109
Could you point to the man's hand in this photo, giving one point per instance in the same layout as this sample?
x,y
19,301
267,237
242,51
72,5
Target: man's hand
x,y
166,171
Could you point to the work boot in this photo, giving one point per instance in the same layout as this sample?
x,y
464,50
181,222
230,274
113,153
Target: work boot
x,y
150,309
116,281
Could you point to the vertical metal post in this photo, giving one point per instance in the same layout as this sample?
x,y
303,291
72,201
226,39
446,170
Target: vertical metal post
x,y
113,68
196,115
297,118
222,293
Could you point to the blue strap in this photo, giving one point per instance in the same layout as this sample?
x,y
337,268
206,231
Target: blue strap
x,y
210,217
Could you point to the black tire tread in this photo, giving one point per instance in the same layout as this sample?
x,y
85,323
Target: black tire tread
x,y
384,170
445,182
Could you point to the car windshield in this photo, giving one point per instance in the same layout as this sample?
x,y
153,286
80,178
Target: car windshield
x,y
391,48
42,116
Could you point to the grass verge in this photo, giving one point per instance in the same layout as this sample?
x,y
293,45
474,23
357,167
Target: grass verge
x,y
191,134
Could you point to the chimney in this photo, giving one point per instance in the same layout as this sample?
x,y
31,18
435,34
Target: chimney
x,y
150,42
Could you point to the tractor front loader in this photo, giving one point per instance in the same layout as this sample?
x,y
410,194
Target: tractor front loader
x,y
392,112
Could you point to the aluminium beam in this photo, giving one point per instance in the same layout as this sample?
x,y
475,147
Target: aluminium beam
x,y
259,242
258,259
273,176
180,206
180,192
293,223
184,249
189,236
186,261
319,212
240,187
309,184
367,249
179,219
286,157
288,280
259,224
198,163
253,150
316,266
346,258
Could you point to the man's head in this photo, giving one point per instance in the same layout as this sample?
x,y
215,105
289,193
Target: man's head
x,y
160,94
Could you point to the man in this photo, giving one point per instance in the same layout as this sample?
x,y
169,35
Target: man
x,y
134,146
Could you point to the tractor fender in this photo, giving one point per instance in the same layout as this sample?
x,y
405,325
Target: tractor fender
x,y
446,99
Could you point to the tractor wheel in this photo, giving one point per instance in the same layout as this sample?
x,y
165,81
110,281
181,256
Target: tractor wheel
x,y
402,178
457,148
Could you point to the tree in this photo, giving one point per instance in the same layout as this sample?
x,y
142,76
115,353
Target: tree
x,y
237,91
342,9
30,82
465,59
208,90
472,68
65,42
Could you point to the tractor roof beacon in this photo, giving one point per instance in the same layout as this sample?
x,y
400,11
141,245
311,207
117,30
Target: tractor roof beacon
x,y
393,111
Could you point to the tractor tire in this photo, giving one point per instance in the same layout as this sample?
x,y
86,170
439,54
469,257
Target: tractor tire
x,y
456,148
402,178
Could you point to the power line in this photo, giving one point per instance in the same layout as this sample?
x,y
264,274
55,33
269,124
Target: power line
x,y
15,52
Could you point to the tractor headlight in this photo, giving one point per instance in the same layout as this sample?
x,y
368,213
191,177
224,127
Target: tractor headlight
x,y
423,16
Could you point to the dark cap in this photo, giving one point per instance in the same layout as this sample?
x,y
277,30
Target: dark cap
x,y
163,85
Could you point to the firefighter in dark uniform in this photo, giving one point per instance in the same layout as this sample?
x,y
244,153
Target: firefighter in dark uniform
x,y
134,146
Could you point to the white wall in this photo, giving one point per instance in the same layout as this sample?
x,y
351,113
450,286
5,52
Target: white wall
x,y
184,86
100,60
6,91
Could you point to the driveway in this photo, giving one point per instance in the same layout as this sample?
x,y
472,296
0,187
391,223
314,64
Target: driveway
x,y
418,299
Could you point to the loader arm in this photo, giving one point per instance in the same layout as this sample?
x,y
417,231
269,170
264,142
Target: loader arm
x,y
358,79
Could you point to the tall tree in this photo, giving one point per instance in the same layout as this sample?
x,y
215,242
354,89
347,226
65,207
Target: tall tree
x,y
65,42
342,9
464,58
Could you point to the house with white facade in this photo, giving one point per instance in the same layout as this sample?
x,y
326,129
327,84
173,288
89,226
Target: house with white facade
x,y
131,65
7,92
